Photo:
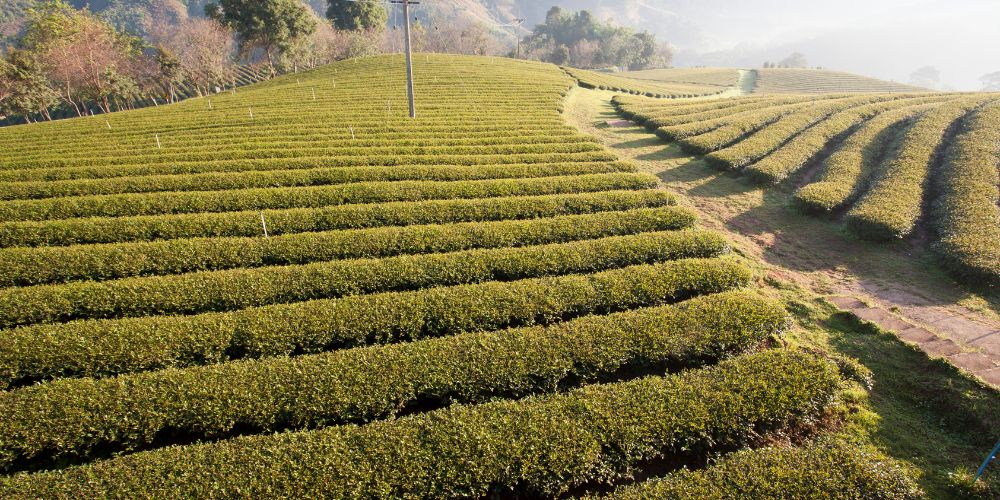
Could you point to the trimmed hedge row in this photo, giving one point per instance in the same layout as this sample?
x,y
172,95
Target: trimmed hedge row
x,y
332,151
124,205
309,162
540,445
890,209
775,135
672,90
299,220
32,266
99,348
795,153
241,288
966,213
309,146
705,137
72,417
821,470
307,177
847,170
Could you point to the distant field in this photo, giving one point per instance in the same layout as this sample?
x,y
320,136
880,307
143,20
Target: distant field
x,y
819,81
886,161
722,77
621,83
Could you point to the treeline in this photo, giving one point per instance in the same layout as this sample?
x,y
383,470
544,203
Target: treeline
x,y
578,39
66,61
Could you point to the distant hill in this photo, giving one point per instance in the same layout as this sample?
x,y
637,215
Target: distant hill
x,y
818,81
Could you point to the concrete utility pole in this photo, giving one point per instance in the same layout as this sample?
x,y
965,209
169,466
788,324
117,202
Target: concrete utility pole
x,y
409,57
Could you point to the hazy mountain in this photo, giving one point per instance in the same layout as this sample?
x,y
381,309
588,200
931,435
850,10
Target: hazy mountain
x,y
888,39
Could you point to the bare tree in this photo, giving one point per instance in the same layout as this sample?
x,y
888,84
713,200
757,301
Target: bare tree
x,y
928,77
87,63
991,81
204,48
796,60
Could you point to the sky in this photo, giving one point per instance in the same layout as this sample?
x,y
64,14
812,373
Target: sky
x,y
887,39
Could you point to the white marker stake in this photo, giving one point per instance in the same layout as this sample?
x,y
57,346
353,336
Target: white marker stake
x,y
352,132
157,141
251,112
263,224
210,104
314,93
108,124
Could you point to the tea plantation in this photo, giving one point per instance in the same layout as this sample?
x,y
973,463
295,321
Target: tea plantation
x,y
296,290
882,163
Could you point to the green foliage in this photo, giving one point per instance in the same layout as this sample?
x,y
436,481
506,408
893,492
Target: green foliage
x,y
241,288
579,39
372,383
110,347
247,223
892,206
966,213
357,15
821,470
124,205
31,266
848,169
608,81
273,25
542,445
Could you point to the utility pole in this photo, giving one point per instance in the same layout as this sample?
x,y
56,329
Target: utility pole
x,y
409,57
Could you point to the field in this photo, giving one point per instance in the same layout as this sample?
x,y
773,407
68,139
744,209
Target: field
x,y
722,77
819,81
294,289
887,165
648,88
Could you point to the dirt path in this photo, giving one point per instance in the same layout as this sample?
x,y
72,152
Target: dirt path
x,y
895,286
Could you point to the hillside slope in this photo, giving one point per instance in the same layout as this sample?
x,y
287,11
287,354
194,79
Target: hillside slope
x,y
284,291
819,81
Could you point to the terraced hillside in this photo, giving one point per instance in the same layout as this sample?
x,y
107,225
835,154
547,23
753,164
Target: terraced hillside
x,y
295,289
721,77
649,88
884,161
820,81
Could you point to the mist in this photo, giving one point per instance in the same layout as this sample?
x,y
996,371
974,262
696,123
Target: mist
x,y
888,39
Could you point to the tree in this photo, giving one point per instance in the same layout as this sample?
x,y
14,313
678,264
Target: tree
x,y
274,26
591,43
560,56
927,77
170,70
991,81
28,90
357,15
796,60
83,56
204,48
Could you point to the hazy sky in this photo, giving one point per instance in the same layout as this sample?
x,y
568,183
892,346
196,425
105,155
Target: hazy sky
x,y
883,38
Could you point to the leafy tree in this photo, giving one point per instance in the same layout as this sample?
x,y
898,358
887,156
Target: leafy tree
x,y
275,26
354,15
560,56
928,77
590,43
796,60
170,69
